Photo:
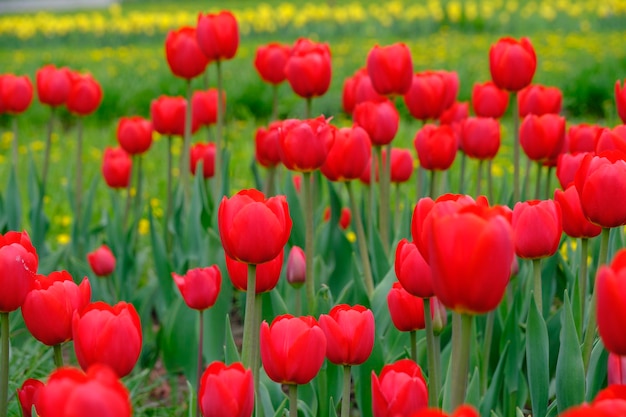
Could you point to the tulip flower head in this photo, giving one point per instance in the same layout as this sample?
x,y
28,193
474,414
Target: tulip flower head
x,y
205,153
270,61
620,100
610,287
199,286
53,85
226,391
102,261
390,68
28,395
85,94
349,334
488,100
537,227
512,63
134,134
305,144
267,273
116,167
183,53
296,267
308,69
218,35
399,390
18,266
16,93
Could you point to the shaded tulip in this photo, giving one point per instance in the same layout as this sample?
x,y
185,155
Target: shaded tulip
x,y
539,100
488,100
620,100
380,119
611,306
390,68
537,227
574,222
304,144
134,134
407,310
436,147
350,152
116,167
54,297
218,35
70,392
308,69
204,107
267,145
267,273
270,61
401,165
85,94
199,286
512,63
226,391
168,115
349,334
16,93
566,167
293,349
399,390
612,139
102,261
109,335
616,369
480,137
18,265
183,53
583,137
542,137
205,153
431,93
455,114
357,89
296,267
53,85
412,270
28,395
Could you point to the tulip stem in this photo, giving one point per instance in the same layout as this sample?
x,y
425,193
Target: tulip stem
x,y
516,150
218,135
139,184
433,377
256,347
184,155
413,341
4,363
362,242
538,183
78,192
58,355
274,102
168,212
548,182
199,369
479,177
383,209
461,335
537,284
487,350
582,277
309,108
270,184
293,400
308,241
345,396
396,210
129,198
490,181
462,174
247,354
14,145
46,158
433,184
420,180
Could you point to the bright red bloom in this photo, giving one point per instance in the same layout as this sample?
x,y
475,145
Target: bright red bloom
x,y
199,286
399,390
270,61
357,89
583,137
537,227
401,165
308,69
16,93
226,391
431,93
304,144
583,410
293,349
183,54
380,119
204,152
102,261
611,290
296,267
134,134
455,114
168,115
116,167
18,265
349,154
480,137
612,139
106,334
218,35
53,85
412,270
574,222
204,107
267,273
616,369
349,334
539,100
48,309
85,94
488,100
390,68
436,147
620,100
407,310
512,63
71,393
566,167
542,137
28,394
267,145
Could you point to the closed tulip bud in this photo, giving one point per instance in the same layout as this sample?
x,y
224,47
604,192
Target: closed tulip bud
x,y
168,115
349,154
204,107
226,391
480,137
218,35
270,61
542,137
574,222
116,167
183,54
16,93
55,297
488,100
537,227
28,395
267,145
539,100
134,134
566,167
612,139
431,93
583,137
401,165
611,307
110,335
380,119
349,334
199,286
399,390
18,265
102,261
308,69
436,147
296,267
304,144
620,100
390,68
412,270
267,273
616,369
205,153
85,94
53,85
512,63
293,349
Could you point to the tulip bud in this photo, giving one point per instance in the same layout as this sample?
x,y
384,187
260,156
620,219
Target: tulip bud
x,y
296,267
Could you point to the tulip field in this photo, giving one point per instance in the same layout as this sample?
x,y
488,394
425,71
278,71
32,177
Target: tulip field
x,y
315,209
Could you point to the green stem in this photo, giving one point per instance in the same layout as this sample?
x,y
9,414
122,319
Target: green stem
x,y
274,102
434,379
309,108
170,197
413,341
490,182
184,155
525,192
219,140
516,148
256,347
46,158
420,180
270,184
247,354
548,182
537,284
78,192
128,197
345,396
582,277
362,242
479,177
309,241
462,173
199,369
58,355
433,183
293,400
538,181
487,349
460,357
14,145
396,209
4,363
139,185
383,209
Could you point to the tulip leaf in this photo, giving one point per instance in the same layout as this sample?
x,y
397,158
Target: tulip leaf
x,y
3,219
281,408
380,262
472,395
231,354
163,269
225,172
332,409
597,371
490,399
570,373
537,357
13,203
295,211
362,375
179,339
38,221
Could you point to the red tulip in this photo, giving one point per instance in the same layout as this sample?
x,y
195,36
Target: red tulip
x,y
542,137
480,137
53,85
358,89
612,139
488,100
539,100
611,292
574,222
431,93
601,185
412,270
168,115
296,267
254,229
199,286
48,309
206,154
436,147
270,61
293,349
455,114
116,167
566,167
349,154
16,93
620,100
70,392
616,369
304,144
390,68
583,410
85,94
18,265
512,63
28,395
349,334
401,165
267,146
463,410
267,273
308,69
106,334
537,227
399,390
226,391
102,261
183,53
407,310
583,137
204,107
380,119
345,216
134,134
218,35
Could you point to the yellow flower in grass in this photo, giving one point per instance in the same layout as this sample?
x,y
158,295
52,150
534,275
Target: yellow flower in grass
x,y
63,239
144,227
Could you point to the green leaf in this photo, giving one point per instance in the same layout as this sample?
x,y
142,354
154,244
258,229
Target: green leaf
x,y
332,409
472,395
490,399
231,354
570,373
597,371
163,268
13,203
537,356
178,339
295,211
